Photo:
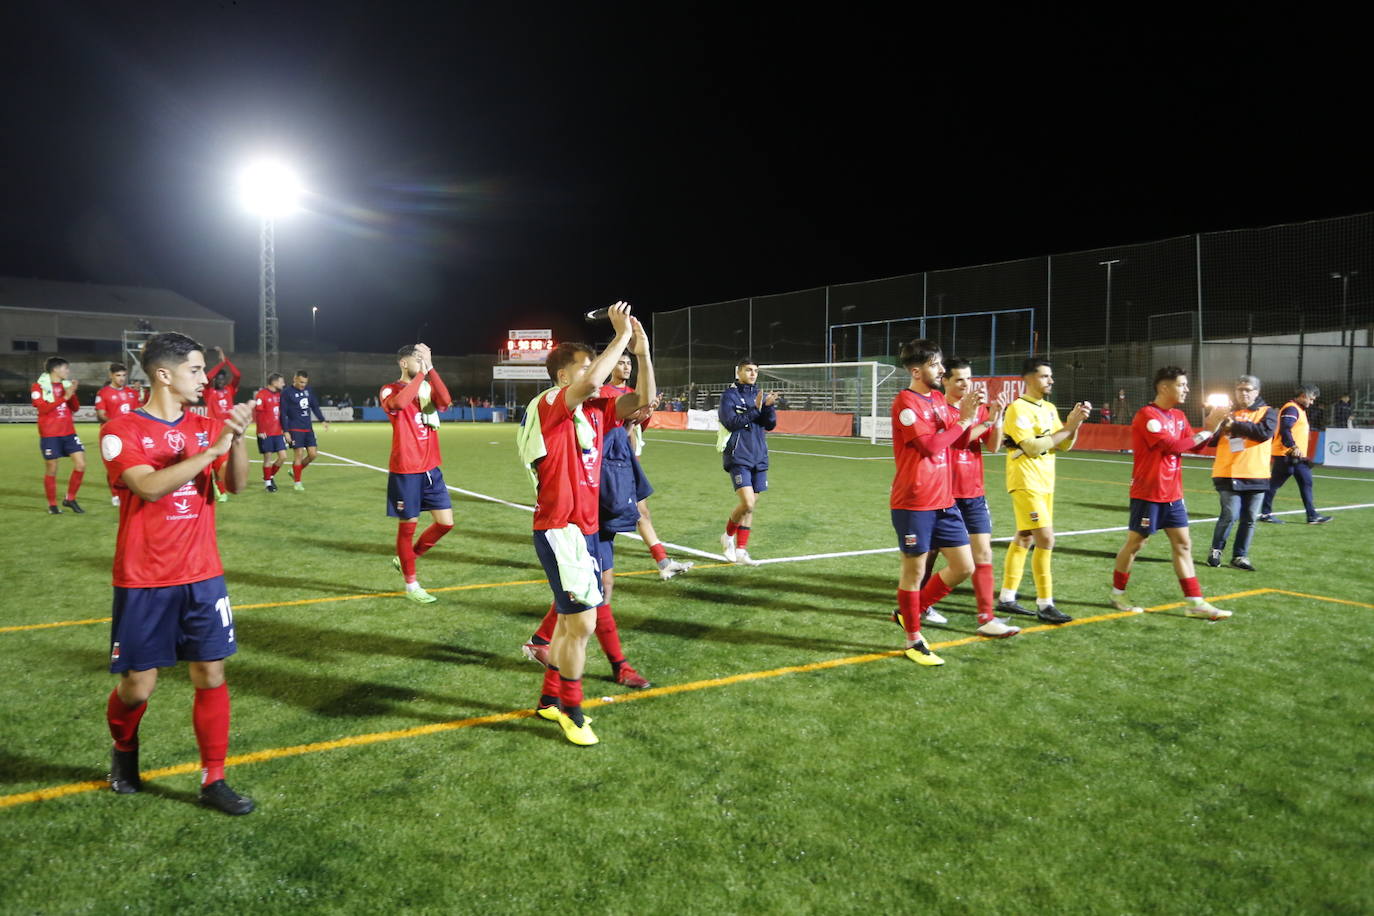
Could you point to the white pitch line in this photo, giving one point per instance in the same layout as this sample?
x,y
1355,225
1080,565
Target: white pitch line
x,y
778,451
493,499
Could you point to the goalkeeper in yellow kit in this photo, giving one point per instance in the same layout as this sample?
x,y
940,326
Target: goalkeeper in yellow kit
x,y
1033,434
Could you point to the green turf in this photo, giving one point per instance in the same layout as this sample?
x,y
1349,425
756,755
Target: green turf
x,y
1141,764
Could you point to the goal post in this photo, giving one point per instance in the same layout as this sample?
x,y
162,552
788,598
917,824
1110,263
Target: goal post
x,y
860,389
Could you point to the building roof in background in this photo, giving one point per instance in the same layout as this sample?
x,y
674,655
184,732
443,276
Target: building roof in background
x,y
139,301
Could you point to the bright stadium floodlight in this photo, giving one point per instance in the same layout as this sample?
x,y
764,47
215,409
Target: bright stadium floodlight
x,y
269,188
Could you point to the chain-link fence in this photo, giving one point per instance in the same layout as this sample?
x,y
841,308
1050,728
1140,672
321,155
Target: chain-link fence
x,y
1291,304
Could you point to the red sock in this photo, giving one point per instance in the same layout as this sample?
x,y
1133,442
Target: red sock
x,y
296,472
123,720
910,606
272,471
658,552
405,536
74,484
742,537
1191,588
983,591
430,537
569,692
210,716
933,591
551,681
545,631
50,488
731,527
1119,580
267,472
608,635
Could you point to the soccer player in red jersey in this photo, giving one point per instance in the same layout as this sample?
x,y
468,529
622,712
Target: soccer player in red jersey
x,y
922,498
224,379
560,441
170,601
416,483
1159,435
113,400
966,468
267,418
54,396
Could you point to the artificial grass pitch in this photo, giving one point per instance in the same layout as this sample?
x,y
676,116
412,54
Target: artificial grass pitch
x,y
1133,763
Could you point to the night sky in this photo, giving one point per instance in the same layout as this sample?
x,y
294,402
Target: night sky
x,y
475,167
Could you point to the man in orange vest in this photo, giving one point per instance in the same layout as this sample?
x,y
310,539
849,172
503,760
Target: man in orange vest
x,y
1241,471
1290,456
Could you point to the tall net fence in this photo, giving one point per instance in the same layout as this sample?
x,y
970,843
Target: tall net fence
x,y
1292,304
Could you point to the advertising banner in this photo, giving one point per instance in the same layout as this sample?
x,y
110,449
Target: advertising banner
x,y
1348,448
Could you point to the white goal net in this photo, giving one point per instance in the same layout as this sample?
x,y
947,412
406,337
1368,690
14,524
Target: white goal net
x,y
863,390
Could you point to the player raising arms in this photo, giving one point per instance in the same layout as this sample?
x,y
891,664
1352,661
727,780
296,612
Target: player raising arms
x,y
1159,434
1033,433
297,404
113,400
618,385
966,470
921,498
54,395
745,414
560,441
416,483
267,419
170,602
224,379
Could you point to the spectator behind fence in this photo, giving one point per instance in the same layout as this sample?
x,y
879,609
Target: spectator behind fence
x,y
1341,413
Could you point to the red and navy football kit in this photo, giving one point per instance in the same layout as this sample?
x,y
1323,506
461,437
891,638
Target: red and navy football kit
x,y
415,483
1158,438
922,496
966,473
170,600
267,417
56,426
115,401
220,401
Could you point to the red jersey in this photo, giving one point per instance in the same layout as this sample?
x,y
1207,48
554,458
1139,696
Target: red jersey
x,y
923,477
220,401
614,391
115,401
569,474
966,456
170,541
267,412
1158,437
414,443
55,416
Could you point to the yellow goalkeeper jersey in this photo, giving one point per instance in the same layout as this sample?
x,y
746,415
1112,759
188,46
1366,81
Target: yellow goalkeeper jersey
x,y
1029,419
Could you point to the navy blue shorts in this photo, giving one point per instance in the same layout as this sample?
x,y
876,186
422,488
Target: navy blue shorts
x,y
1148,517
563,603
407,495
742,476
60,446
642,488
303,438
157,627
605,549
269,445
977,518
923,530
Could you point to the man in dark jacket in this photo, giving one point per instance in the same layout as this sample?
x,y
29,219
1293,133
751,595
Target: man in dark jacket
x,y
746,414
1240,471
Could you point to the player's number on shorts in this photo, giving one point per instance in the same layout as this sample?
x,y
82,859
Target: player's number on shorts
x,y
226,616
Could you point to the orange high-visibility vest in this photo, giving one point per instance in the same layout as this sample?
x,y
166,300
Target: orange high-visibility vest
x,y
1300,430
1243,458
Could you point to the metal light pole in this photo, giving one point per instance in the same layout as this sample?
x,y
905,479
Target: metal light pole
x,y
314,343
269,189
1107,334
1344,276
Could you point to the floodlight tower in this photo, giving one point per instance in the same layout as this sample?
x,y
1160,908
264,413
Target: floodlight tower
x,y
270,189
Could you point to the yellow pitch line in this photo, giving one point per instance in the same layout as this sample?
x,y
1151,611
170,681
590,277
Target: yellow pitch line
x,y
1281,591
252,607
76,788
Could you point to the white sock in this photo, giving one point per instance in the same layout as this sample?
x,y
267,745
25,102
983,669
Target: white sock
x,y
1118,592
1043,602
1008,595
1198,602
413,586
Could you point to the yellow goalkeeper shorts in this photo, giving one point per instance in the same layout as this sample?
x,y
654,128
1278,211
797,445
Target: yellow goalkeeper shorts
x,y
1033,508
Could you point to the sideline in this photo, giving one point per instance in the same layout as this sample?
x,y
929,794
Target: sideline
x,y
77,788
